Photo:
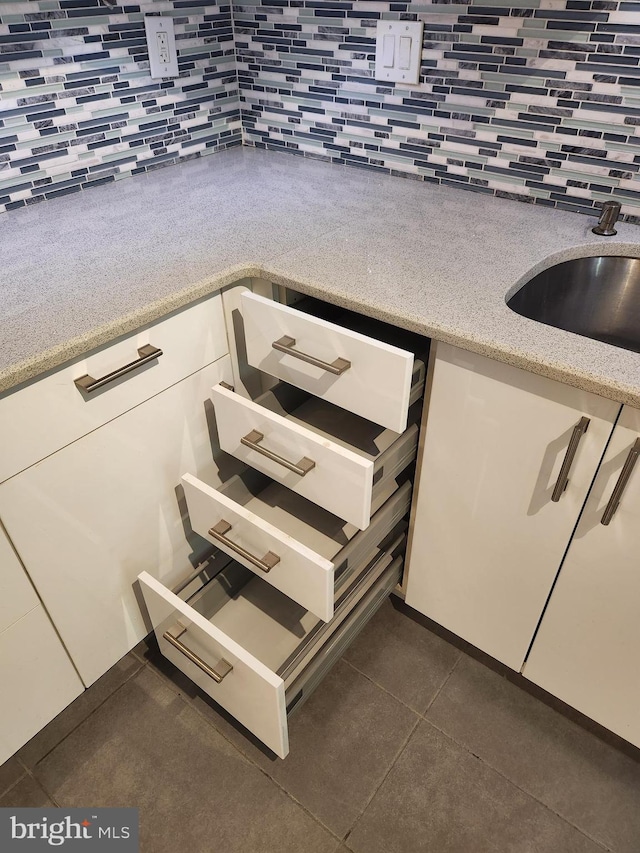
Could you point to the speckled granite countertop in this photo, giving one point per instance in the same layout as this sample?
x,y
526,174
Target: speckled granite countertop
x,y
82,270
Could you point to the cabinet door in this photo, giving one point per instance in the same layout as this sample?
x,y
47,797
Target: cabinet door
x,y
17,596
487,537
88,519
37,677
586,650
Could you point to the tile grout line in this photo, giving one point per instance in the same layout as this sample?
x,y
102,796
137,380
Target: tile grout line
x,y
393,696
29,773
19,779
442,686
419,719
82,722
519,788
240,751
382,781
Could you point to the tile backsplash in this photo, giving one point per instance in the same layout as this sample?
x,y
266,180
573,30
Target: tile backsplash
x,y
532,99
78,106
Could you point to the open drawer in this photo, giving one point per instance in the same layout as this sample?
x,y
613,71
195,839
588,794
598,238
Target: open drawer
x,y
356,371
328,455
292,544
252,649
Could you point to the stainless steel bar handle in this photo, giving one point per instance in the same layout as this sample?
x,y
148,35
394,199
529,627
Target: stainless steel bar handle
x,y
286,345
620,486
253,439
563,477
146,353
223,667
265,564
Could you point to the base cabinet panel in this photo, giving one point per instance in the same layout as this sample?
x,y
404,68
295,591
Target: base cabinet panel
x,y
586,649
37,677
487,537
17,595
87,520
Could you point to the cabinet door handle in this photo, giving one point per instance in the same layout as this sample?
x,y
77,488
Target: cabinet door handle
x,y
253,439
620,486
88,384
286,345
563,477
265,564
223,667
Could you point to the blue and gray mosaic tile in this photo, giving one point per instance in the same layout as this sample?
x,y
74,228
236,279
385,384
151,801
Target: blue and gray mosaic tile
x,y
531,99
77,104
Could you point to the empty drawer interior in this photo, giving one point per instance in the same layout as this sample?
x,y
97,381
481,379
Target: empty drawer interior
x,y
270,626
344,544
369,326
389,451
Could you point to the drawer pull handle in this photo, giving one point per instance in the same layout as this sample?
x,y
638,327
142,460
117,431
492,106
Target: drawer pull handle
x,y
253,439
88,383
620,486
223,667
265,564
286,345
563,477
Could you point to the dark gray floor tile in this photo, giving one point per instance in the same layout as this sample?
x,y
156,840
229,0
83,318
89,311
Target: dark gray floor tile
x,y
10,772
342,741
590,783
402,656
78,710
145,747
27,793
440,798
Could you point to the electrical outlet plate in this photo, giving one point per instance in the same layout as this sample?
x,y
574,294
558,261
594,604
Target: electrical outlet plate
x,y
161,41
398,51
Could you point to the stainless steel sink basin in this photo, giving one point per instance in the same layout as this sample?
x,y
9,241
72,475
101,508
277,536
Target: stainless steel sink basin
x,y
595,297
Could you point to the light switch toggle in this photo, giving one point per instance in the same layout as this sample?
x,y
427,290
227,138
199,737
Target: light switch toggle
x,y
388,50
404,53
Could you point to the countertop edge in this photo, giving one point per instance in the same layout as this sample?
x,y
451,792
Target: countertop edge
x,y
31,368
28,370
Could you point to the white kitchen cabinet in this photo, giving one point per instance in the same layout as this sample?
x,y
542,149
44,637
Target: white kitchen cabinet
x,y
17,595
38,679
108,508
260,635
586,649
88,519
51,412
488,537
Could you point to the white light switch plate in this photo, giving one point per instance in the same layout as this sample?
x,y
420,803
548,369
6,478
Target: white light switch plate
x,y
161,40
398,51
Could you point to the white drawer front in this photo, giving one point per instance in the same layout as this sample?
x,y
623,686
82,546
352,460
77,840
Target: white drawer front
x,y
40,418
253,650
375,385
340,480
250,691
300,573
